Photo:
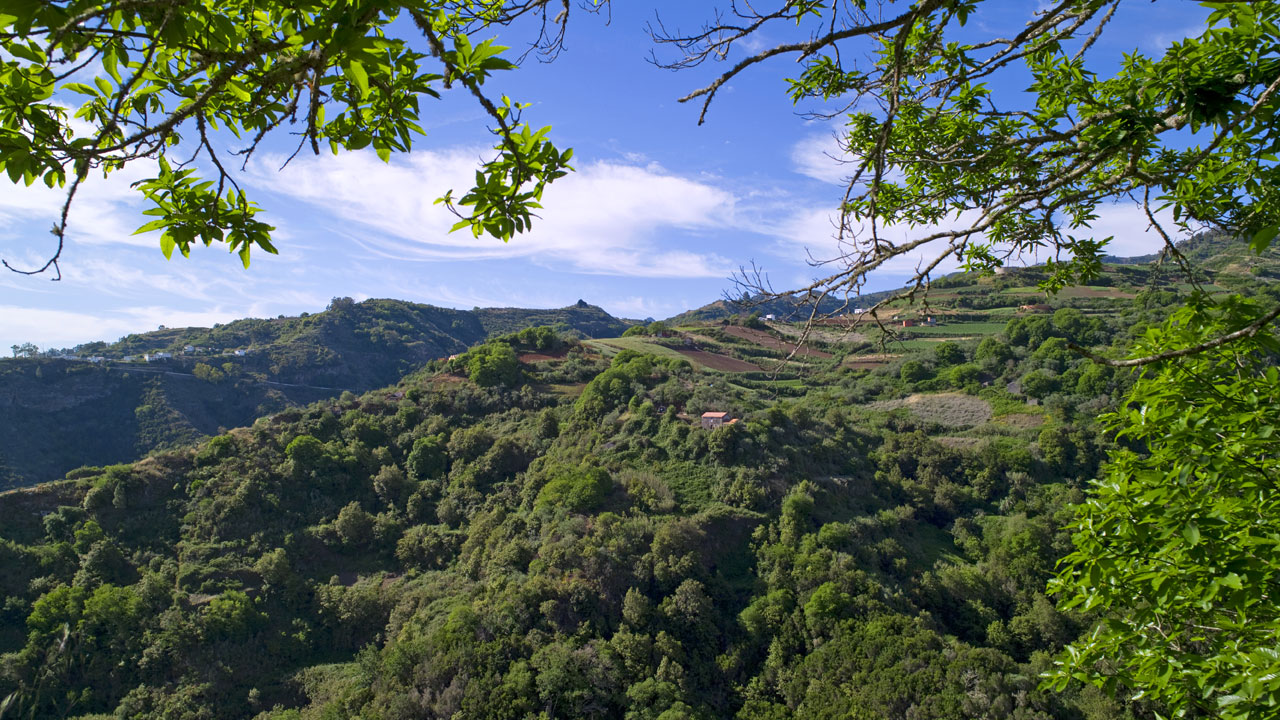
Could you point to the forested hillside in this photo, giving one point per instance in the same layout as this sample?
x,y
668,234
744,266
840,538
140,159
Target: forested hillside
x,y
56,414
1022,493
562,549
545,527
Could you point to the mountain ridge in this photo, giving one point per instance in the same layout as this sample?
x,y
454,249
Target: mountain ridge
x,y
58,414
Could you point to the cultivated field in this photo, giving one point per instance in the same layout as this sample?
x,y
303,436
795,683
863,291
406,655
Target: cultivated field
x,y
764,339
950,409
718,362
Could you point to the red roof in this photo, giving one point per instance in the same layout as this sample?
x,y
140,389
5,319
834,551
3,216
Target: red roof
x,y
714,414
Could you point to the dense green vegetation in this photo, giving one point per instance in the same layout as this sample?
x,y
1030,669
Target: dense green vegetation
x,y
503,552
58,414
539,527
568,549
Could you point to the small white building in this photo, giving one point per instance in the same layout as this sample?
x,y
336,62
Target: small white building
x,y
188,349
153,357
240,353
769,317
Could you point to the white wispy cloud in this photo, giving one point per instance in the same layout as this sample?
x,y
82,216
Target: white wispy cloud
x,y
105,211
64,328
608,218
1131,229
812,232
644,306
820,157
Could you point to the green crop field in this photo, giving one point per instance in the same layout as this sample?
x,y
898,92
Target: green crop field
x,y
611,346
968,328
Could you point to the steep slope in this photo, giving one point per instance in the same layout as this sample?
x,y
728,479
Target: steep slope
x,y
562,547
56,414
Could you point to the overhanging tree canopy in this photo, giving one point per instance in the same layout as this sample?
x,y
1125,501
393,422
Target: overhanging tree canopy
x,y
938,142
168,79
936,139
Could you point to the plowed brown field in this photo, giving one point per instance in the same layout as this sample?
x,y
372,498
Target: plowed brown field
x,y
766,340
718,362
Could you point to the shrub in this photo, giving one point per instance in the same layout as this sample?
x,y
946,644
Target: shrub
x,y
220,448
948,353
493,364
354,525
913,371
427,459
577,490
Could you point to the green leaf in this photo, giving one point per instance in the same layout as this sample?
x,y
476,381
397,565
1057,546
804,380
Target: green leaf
x,y
1262,239
355,71
154,224
1191,532
81,88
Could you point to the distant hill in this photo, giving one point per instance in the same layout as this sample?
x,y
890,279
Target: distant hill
x,y
1217,252
353,345
56,414
1217,255
784,309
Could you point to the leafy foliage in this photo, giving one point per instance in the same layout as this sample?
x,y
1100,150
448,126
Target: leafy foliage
x,y
506,551
1175,544
347,77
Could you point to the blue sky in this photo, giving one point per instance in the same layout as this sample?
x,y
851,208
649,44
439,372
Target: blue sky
x,y
659,213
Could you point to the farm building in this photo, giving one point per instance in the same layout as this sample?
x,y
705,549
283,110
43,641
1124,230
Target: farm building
x,y
714,419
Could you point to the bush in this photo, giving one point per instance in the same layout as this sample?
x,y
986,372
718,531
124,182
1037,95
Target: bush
x,y
948,353
993,351
1039,384
577,490
427,459
966,375
218,449
354,525
493,364
913,371
428,547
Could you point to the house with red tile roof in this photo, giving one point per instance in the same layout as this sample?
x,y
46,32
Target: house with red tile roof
x,y
714,419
